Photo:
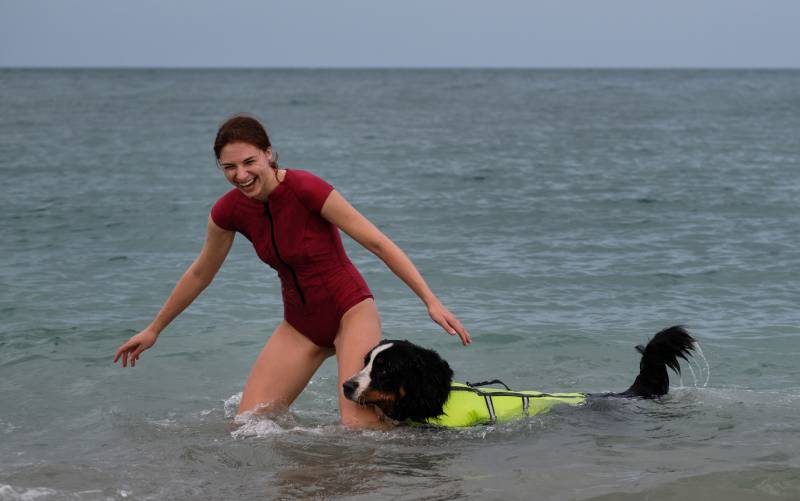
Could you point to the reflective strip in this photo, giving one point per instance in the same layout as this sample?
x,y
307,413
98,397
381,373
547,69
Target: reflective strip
x,y
525,403
516,393
490,406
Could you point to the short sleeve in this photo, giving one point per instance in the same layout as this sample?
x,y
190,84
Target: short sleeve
x,y
310,190
222,213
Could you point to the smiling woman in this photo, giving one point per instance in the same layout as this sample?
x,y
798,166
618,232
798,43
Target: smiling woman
x,y
293,218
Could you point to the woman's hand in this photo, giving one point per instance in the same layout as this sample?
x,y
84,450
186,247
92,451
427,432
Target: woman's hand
x,y
134,347
448,321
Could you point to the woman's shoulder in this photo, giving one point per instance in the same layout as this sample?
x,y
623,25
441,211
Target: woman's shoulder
x,y
301,176
231,195
310,189
224,211
230,199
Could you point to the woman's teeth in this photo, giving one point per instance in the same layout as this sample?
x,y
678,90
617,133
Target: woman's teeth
x,y
248,183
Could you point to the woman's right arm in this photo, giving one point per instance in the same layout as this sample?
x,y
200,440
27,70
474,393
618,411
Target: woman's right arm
x,y
196,278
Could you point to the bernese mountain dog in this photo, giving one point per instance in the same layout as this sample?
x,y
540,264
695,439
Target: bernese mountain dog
x,y
411,384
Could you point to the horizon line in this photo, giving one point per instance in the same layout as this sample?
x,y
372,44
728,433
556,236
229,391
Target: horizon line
x,y
412,68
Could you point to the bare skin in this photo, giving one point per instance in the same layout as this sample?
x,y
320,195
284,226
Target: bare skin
x,y
289,360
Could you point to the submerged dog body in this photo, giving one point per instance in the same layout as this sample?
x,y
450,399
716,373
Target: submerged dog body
x,y
413,384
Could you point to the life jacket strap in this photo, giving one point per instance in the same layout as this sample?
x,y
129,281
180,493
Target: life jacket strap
x,y
511,393
486,383
490,407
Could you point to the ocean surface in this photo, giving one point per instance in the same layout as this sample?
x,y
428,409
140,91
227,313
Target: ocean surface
x,y
564,216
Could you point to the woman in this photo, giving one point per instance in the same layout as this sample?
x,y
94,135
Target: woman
x,y
292,218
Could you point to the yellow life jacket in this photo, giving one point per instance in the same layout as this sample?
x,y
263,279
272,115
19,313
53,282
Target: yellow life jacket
x,y
470,406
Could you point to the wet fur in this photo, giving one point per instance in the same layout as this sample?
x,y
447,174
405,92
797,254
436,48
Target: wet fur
x,y
409,382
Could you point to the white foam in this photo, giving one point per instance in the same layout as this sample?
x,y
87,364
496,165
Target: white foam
x,y
251,425
255,427
7,427
10,493
231,405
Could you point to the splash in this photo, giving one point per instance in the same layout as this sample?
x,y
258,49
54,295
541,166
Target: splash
x,y
702,370
232,404
705,361
248,426
255,424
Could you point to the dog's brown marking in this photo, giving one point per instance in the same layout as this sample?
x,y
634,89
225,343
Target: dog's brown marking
x,y
383,400
375,396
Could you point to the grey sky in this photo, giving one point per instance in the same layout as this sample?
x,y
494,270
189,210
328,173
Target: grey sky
x,y
408,33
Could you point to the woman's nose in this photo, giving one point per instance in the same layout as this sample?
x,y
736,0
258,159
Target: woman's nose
x,y
240,173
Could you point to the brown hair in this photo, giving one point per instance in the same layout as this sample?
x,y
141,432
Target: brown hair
x,y
243,128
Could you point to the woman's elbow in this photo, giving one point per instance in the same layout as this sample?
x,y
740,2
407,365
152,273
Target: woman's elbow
x,y
379,246
203,274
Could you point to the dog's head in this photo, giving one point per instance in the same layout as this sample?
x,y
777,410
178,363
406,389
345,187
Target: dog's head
x,y
403,380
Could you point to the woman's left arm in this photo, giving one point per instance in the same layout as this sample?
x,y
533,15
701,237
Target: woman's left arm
x,y
338,211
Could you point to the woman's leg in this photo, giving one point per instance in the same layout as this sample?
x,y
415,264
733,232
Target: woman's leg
x,y
282,370
359,332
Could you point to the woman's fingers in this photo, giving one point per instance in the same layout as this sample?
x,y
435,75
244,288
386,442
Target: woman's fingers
x,y
135,355
126,351
132,349
452,326
463,333
120,351
457,328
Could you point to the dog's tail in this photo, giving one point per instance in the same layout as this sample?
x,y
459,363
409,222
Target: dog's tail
x,y
661,352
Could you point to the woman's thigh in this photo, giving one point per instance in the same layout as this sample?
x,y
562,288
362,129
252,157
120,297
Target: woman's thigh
x,y
282,370
359,332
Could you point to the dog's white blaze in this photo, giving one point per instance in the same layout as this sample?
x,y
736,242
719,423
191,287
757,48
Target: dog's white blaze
x,y
362,378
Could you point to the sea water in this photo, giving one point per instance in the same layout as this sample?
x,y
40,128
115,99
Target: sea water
x,y
563,216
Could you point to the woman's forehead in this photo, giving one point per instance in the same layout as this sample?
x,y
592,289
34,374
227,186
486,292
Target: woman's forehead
x,y
237,151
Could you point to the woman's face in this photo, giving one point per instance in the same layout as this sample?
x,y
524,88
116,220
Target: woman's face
x,y
247,167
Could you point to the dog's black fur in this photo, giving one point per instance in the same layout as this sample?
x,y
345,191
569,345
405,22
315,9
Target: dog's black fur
x,y
408,382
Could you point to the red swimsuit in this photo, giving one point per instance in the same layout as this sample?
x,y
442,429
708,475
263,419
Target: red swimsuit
x,y
318,281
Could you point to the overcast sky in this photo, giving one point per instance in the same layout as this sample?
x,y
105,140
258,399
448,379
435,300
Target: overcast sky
x,y
407,33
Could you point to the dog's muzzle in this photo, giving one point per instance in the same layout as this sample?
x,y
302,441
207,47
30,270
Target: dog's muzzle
x,y
349,387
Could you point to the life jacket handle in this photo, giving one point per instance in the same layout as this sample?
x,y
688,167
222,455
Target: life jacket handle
x,y
486,383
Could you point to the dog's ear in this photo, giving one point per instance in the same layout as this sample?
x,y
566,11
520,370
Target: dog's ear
x,y
426,385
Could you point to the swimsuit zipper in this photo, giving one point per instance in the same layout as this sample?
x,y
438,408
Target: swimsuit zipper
x,y
278,254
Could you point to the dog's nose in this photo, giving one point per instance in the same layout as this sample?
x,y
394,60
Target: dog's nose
x,y
349,388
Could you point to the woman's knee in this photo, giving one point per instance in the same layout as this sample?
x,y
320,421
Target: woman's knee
x,y
281,371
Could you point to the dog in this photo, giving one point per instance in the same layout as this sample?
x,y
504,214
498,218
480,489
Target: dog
x,y
410,384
